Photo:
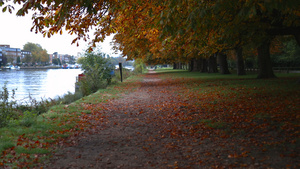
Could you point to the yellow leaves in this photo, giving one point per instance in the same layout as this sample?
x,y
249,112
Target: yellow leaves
x,y
175,165
262,7
296,12
57,11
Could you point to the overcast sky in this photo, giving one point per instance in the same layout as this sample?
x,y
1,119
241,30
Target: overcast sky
x,y
15,31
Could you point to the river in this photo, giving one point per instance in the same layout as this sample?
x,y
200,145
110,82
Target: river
x,y
39,83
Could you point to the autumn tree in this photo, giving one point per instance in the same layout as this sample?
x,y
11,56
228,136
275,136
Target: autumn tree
x,y
225,25
27,58
39,55
44,57
176,31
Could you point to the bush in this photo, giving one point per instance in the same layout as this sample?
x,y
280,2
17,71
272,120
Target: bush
x,y
37,107
97,72
139,66
7,110
70,97
27,119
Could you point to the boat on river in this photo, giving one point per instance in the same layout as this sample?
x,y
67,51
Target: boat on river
x,y
12,67
65,66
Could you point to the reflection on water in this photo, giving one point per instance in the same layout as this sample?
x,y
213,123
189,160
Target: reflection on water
x,y
39,83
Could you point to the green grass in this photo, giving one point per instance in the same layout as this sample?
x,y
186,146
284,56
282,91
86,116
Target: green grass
x,y
178,73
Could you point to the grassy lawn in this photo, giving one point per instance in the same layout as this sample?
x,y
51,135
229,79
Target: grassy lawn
x,y
263,114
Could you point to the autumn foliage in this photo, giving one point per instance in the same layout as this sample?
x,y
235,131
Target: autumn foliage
x,y
167,31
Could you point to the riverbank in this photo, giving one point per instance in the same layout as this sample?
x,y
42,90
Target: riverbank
x,y
22,146
41,67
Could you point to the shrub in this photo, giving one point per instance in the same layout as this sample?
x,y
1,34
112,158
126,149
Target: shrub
x,y
37,107
139,66
70,97
27,119
7,110
97,72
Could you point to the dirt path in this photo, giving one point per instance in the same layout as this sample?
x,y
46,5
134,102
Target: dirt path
x,y
130,136
142,130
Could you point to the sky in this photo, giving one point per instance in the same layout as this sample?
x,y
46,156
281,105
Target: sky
x,y
15,31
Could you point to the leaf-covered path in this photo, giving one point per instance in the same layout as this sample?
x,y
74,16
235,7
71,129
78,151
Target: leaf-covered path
x,y
152,127
129,133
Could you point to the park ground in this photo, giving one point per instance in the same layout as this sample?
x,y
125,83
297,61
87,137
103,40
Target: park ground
x,y
177,119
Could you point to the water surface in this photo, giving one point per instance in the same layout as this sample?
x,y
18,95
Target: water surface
x,y
39,83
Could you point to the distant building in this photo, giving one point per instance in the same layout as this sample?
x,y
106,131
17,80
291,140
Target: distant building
x,y
65,58
4,46
50,58
53,56
10,53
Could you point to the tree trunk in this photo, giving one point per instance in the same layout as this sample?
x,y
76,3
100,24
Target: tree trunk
x,y
297,37
175,66
223,63
240,61
180,65
195,65
203,66
192,65
264,61
212,64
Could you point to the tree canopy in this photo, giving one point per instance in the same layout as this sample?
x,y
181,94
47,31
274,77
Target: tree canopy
x,y
38,54
168,31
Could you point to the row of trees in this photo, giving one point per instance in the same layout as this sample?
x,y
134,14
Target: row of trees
x,y
174,31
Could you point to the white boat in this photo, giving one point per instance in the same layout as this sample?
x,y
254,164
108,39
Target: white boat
x,y
11,67
17,68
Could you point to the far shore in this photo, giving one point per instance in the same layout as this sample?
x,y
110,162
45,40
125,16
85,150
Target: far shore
x,y
40,67
36,67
